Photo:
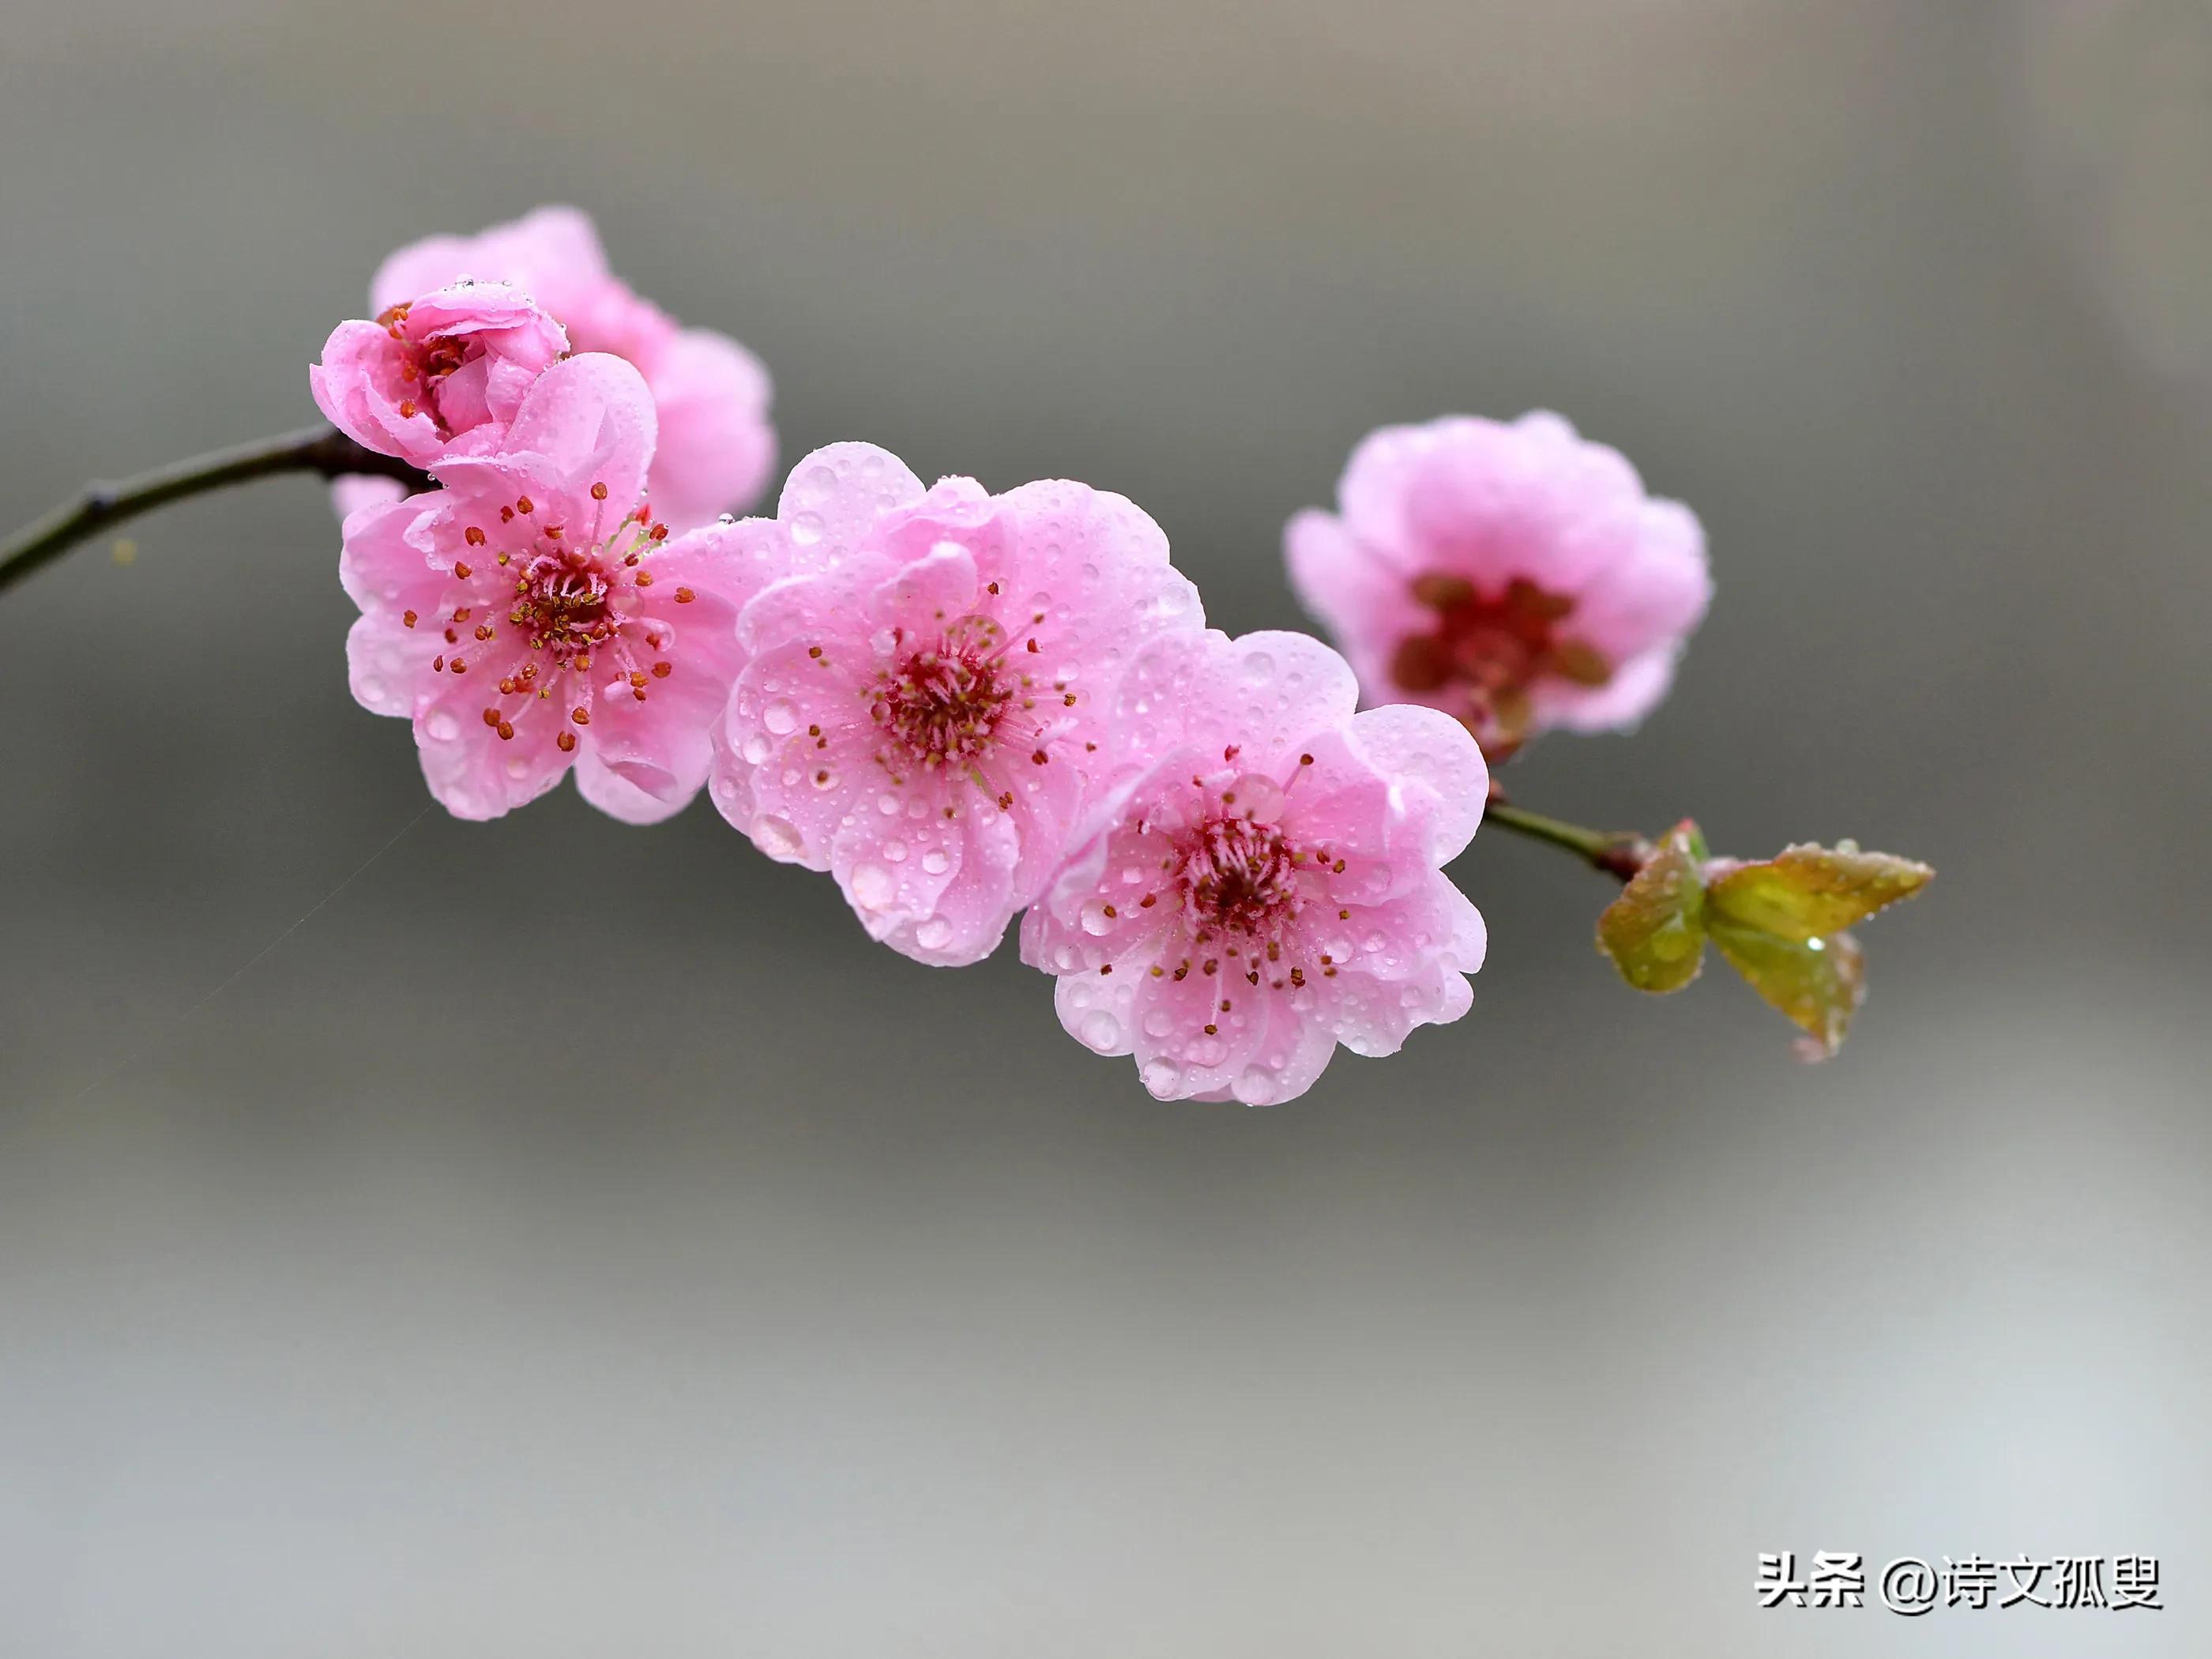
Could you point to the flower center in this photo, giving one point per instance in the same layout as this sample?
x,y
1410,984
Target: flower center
x,y
564,601
1237,876
948,701
1244,882
1487,650
560,604
425,362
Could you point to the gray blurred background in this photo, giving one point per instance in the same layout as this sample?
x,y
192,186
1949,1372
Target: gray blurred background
x,y
556,1238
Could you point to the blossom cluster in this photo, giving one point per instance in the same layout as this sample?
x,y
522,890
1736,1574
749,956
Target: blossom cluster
x,y
964,707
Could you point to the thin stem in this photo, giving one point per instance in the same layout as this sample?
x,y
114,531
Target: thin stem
x,y
1618,853
318,449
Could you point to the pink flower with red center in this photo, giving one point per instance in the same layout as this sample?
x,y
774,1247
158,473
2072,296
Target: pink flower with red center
x,y
925,706
443,374
1269,884
1516,576
533,616
716,445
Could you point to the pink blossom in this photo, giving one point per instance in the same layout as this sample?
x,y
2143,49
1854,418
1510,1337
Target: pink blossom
x,y
530,616
716,445
1269,884
444,372
1516,576
923,712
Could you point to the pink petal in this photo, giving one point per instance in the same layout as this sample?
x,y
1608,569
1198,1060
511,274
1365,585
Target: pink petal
x,y
590,420
472,771
940,585
834,496
618,798
1637,687
1423,747
553,254
934,889
716,446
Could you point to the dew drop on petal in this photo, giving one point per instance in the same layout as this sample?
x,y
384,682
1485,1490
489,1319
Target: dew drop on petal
x,y
776,836
934,935
443,725
936,862
1101,1031
1260,799
780,719
1094,917
1160,1076
872,886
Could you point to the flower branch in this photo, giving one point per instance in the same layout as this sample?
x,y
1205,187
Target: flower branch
x,y
1617,853
967,706
320,450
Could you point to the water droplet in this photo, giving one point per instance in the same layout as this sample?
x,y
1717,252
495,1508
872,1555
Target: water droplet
x,y
1161,1077
934,935
873,887
888,805
1158,1023
1258,666
755,749
776,836
894,852
807,529
936,862
443,725
823,777
1259,798
1094,917
780,718
1101,1031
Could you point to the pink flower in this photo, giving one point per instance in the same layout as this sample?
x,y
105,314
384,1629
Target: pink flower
x,y
1269,884
529,618
716,445
925,706
443,374
1515,577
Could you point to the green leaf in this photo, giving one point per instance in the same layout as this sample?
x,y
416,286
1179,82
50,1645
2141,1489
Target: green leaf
x,y
1655,932
1811,892
1816,983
